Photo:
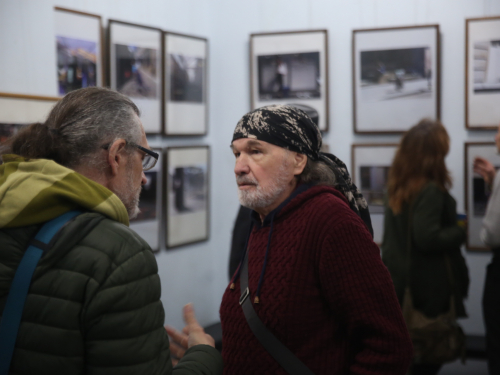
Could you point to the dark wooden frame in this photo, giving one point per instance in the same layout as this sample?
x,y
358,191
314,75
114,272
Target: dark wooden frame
x,y
467,125
466,192
205,84
167,201
438,74
29,97
159,201
326,80
101,37
162,65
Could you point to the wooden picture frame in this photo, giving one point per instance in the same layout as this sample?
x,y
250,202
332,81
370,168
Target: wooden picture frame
x,y
79,51
476,192
370,166
135,68
482,73
396,78
185,85
148,223
291,68
186,193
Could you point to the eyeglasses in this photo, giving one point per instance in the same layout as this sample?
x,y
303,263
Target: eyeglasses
x,y
150,158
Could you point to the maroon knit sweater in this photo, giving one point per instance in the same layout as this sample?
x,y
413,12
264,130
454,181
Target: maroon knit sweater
x,y
326,295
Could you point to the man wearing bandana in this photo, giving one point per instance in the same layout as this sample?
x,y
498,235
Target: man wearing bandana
x,y
315,277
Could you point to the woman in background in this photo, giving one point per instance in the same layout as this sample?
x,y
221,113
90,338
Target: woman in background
x,y
421,227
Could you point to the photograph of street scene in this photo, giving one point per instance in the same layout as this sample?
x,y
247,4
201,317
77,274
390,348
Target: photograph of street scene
x,y
188,191
486,66
186,78
147,199
374,186
295,75
136,73
9,130
76,64
396,74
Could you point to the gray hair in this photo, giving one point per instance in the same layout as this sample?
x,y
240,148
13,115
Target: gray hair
x,y
78,126
318,173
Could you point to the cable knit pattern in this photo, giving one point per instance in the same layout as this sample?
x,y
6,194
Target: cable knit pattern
x,y
326,295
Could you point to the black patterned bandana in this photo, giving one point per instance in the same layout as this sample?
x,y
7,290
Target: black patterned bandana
x,y
291,128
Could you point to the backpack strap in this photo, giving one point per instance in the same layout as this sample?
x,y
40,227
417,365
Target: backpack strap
x,y
11,317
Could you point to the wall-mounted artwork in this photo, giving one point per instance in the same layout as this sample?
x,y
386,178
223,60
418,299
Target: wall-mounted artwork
x,y
135,69
482,73
187,195
291,68
148,221
78,39
18,111
476,191
370,170
186,59
395,78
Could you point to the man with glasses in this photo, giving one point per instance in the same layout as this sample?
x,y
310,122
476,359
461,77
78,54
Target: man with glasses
x,y
93,305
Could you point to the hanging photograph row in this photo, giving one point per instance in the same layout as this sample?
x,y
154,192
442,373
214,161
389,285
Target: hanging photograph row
x,y
164,73
370,171
174,203
396,75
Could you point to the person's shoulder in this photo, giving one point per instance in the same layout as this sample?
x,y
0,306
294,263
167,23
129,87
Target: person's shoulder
x,y
329,204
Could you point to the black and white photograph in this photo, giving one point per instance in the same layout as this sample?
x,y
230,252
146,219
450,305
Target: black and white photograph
x,y
186,193
147,222
477,192
9,130
79,55
395,77
186,107
291,68
136,74
294,75
482,73
135,69
370,170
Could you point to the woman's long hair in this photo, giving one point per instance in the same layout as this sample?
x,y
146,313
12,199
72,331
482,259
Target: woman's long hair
x,y
418,160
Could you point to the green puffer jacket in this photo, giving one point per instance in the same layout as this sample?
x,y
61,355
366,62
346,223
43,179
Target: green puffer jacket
x,y
94,303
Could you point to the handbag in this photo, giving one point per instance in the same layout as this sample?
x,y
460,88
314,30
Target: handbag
x,y
435,340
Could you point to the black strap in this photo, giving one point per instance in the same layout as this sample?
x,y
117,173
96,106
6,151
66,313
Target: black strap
x,y
275,347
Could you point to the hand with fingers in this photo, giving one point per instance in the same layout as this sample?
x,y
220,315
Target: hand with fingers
x,y
483,167
192,334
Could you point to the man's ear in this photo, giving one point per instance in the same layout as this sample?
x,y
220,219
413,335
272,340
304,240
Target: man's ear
x,y
300,163
116,155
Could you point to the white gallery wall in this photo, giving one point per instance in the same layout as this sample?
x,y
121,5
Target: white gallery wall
x,y
198,273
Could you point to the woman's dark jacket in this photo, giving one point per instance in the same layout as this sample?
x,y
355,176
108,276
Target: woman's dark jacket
x,y
434,235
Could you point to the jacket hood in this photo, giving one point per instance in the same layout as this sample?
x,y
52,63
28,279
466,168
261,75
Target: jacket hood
x,y
37,190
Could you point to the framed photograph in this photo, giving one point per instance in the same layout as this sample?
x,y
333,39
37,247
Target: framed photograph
x,y
135,69
395,78
147,223
482,73
370,170
187,195
79,50
186,106
18,111
291,68
476,191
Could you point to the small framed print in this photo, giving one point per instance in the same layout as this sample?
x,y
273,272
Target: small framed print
x,y
18,111
79,50
186,80
476,191
186,194
370,170
291,68
148,221
482,73
395,78
135,69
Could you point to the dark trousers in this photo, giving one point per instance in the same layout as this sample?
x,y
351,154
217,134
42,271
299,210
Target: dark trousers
x,y
424,369
491,311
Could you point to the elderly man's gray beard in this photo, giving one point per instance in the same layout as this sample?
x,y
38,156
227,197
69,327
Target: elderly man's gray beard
x,y
260,197
130,196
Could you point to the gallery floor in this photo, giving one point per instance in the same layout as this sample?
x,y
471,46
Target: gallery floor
x,y
472,367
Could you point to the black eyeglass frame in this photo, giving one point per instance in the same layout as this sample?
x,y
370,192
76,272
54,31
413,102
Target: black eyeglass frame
x,y
151,153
